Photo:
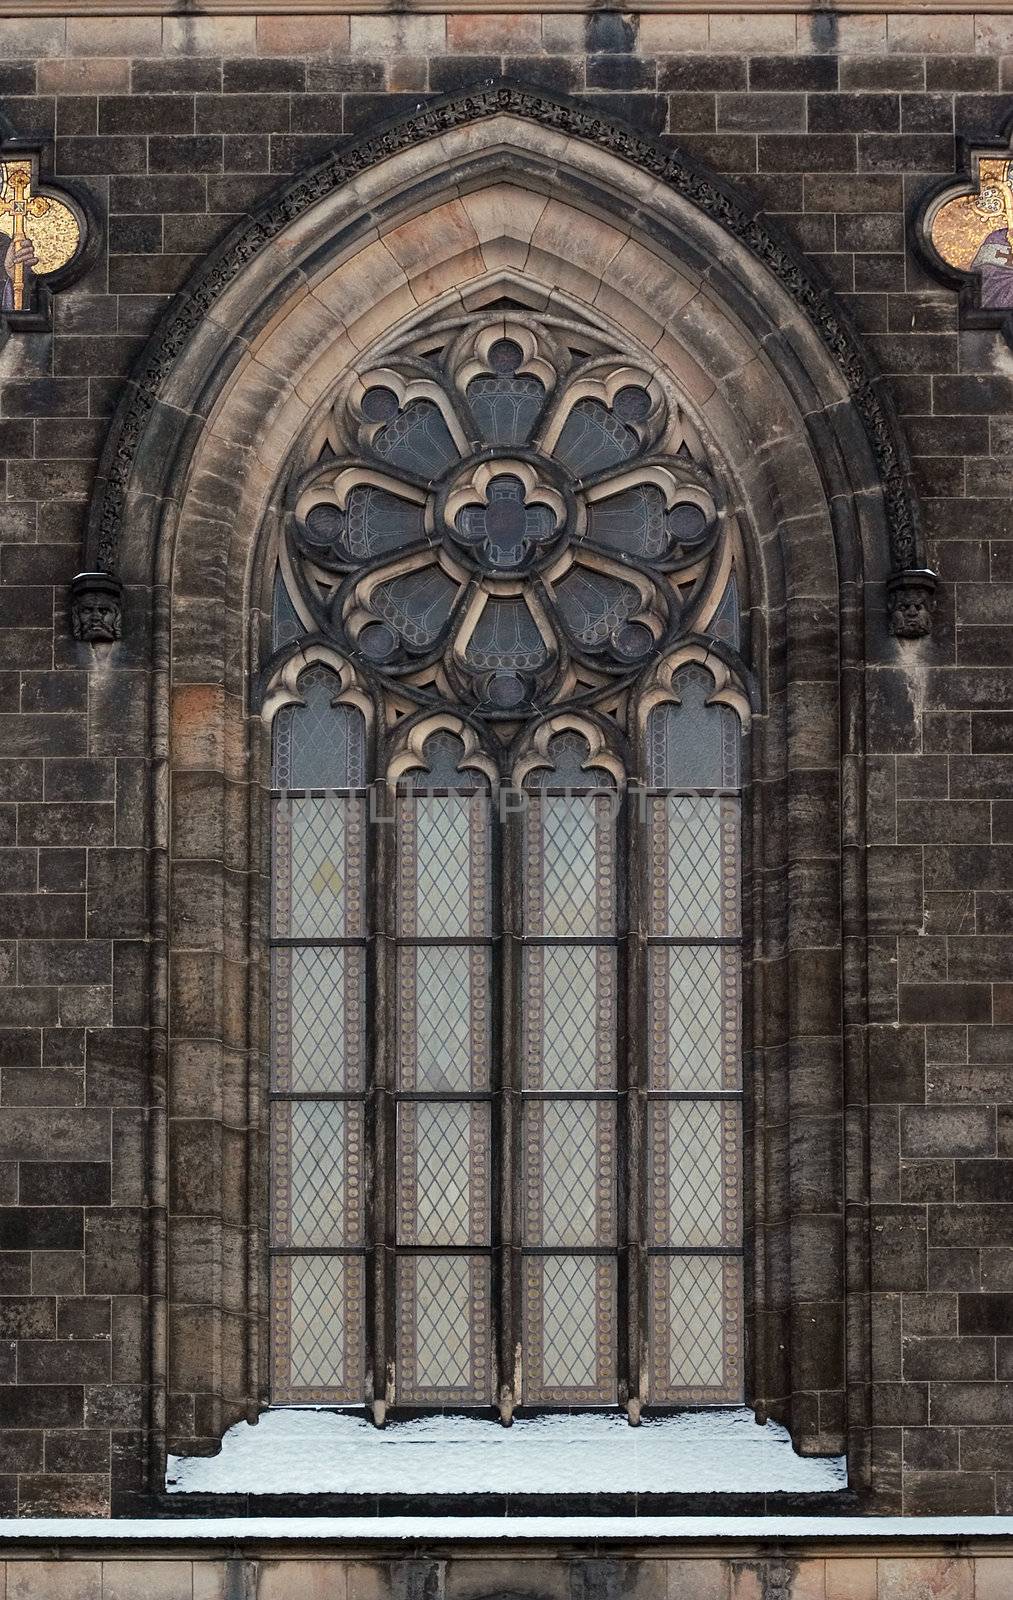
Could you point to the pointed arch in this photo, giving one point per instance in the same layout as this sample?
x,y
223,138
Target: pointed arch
x,y
507,194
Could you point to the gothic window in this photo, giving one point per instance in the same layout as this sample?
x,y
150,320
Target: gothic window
x,y
507,699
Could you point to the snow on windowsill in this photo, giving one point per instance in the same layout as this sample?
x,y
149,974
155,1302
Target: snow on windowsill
x,y
316,1451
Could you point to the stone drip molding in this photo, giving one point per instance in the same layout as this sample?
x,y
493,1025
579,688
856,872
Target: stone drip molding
x,y
734,212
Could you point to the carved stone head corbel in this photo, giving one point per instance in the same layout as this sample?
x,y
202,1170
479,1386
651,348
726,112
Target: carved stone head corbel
x,y
95,607
909,596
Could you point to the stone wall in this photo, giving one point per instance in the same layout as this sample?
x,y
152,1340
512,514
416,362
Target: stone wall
x,y
177,126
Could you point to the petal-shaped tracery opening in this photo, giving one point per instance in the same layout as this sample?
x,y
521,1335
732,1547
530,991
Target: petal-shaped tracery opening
x,y
416,439
506,635
416,604
594,439
505,403
594,604
633,522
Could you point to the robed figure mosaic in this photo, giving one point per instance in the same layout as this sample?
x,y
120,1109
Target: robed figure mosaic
x,y
508,696
40,234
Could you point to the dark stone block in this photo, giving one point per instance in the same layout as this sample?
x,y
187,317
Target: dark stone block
x,y
623,73
348,76
65,1183
926,113
962,72
242,113
816,72
41,1228
984,1180
814,152
114,1251
692,74
935,1359
610,32
905,152
260,75
195,153
41,1406
145,113
854,113
188,74
898,1255
111,153
763,113
987,1314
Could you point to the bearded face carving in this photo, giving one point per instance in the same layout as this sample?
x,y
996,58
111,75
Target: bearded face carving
x,y
909,599
95,608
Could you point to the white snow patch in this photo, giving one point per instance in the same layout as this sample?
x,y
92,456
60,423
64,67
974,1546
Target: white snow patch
x,y
312,1451
445,1530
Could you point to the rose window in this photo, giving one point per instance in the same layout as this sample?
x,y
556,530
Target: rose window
x,y
509,519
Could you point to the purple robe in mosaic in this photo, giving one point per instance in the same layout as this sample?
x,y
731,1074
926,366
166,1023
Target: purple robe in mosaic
x,y
995,263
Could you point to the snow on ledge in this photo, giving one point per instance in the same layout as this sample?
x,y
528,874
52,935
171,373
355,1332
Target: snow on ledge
x,y
445,1530
313,1451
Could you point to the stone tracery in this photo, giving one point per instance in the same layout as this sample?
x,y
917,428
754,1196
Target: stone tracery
x,y
510,517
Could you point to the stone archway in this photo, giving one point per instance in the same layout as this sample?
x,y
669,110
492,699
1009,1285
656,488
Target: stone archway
x,y
501,193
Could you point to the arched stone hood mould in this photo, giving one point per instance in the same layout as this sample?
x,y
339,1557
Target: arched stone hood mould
x,y
690,213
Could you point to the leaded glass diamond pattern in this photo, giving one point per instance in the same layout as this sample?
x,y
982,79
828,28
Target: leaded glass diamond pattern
x,y
575,882
318,745
695,1335
318,1017
694,1017
317,1179
569,1017
695,867
443,996
695,1172
317,1328
444,1159
317,867
443,1320
442,828
569,1322
569,1160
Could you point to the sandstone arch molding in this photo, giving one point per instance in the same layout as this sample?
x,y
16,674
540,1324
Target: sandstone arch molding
x,y
498,195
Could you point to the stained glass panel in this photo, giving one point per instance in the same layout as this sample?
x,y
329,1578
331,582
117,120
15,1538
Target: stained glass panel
x,y
443,1330
505,408
696,1173
443,866
319,745
416,438
569,1172
318,864
444,1018
632,522
318,1173
693,745
318,1019
317,1345
693,1013
695,1331
569,1320
570,880
569,1016
443,1173
593,439
695,870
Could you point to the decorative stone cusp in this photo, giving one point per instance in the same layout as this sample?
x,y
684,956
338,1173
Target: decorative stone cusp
x,y
96,607
909,602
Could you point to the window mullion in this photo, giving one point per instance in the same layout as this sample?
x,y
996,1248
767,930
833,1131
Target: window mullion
x,y
381,1191
508,895
632,1062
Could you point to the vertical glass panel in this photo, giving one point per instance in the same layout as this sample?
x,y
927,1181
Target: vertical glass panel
x,y
695,868
318,1019
696,1172
285,624
569,1317
570,871
443,1330
693,745
569,1017
317,1173
443,1018
443,1173
317,1328
569,1172
443,889
319,745
505,408
726,623
593,438
318,863
695,1334
693,1011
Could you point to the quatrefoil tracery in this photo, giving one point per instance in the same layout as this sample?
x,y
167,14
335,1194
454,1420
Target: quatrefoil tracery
x,y
507,516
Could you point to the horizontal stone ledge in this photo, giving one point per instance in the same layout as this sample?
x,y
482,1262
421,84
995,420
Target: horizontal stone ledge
x,y
818,1536
299,8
